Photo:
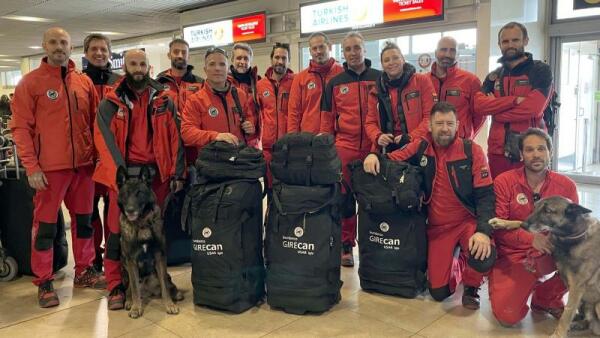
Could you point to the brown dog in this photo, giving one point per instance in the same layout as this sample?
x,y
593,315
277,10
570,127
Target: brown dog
x,y
576,239
143,244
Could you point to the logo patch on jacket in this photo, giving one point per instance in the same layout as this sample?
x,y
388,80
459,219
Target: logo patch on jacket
x,y
344,90
52,94
452,92
193,88
266,93
484,172
423,162
166,87
522,83
522,199
412,95
120,113
213,112
311,85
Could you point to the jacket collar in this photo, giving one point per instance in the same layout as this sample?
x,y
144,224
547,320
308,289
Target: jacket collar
x,y
520,66
321,69
367,67
126,95
97,74
56,70
167,75
286,76
450,71
247,77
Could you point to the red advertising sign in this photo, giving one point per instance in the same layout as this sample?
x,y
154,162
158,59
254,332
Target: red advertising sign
x,y
250,28
400,10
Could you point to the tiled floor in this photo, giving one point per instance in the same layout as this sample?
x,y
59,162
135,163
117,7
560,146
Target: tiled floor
x,y
83,313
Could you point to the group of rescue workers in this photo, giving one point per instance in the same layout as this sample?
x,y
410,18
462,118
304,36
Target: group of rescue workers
x,y
74,129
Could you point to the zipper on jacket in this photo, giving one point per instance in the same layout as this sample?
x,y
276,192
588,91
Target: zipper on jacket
x,y
276,90
76,102
63,73
320,102
360,111
440,90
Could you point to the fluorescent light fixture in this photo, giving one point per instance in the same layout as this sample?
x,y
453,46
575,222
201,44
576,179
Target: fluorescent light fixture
x,y
26,18
7,67
35,47
105,33
10,60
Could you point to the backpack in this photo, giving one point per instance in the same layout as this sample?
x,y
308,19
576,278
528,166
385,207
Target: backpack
x,y
302,248
221,161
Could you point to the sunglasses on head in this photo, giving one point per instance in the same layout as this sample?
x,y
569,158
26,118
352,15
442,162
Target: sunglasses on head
x,y
213,50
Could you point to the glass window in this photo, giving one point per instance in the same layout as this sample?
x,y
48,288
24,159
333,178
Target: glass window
x,y
9,79
425,43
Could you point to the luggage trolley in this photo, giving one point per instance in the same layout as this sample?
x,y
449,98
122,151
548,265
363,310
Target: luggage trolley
x,y
8,158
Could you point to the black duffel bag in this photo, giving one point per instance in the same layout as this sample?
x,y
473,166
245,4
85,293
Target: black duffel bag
x,y
305,159
221,161
397,187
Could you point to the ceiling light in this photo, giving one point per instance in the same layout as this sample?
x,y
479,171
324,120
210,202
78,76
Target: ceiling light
x,y
106,33
35,47
7,67
26,18
10,60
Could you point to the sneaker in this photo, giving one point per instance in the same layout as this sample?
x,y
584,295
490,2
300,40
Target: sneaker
x,y
470,298
554,312
347,257
47,297
116,298
90,278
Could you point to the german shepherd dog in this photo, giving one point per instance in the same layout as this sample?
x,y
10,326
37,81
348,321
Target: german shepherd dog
x,y
143,244
576,239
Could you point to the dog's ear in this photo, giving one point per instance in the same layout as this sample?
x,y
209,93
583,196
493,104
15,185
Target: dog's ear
x,y
145,175
121,176
573,210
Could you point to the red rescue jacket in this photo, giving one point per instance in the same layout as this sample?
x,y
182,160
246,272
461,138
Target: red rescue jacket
x,y
53,112
273,100
103,78
189,85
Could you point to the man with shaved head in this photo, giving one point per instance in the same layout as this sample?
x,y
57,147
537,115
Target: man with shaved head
x,y
456,86
136,126
53,112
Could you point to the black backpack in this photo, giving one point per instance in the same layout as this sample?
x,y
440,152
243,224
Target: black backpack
x,y
302,248
221,161
227,232
305,159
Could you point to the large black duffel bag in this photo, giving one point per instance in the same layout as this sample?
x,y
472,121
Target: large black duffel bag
x,y
306,159
16,218
302,248
227,232
179,240
221,161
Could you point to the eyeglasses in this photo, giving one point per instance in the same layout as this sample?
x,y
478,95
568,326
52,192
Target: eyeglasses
x,y
213,50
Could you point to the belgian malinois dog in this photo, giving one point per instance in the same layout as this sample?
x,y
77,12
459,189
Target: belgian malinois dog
x,y
143,244
576,239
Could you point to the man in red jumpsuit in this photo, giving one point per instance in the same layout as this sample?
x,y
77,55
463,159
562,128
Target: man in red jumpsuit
x,y
136,126
344,111
304,109
460,202
525,258
53,113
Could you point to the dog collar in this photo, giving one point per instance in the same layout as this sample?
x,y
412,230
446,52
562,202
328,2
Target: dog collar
x,y
573,238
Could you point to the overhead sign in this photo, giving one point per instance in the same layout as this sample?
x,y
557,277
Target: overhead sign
x,y
583,4
348,14
225,32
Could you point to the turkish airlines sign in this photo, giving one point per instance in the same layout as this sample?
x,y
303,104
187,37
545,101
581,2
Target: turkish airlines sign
x,y
347,14
225,32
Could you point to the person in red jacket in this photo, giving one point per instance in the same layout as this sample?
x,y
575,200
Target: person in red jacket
x,y
460,199
522,89
136,126
401,99
344,112
53,112
304,108
456,86
273,96
96,48
213,113
524,258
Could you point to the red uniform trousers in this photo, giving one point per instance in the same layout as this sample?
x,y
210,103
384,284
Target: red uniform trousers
x,y
499,164
268,154
100,231
112,268
442,268
511,284
76,188
348,155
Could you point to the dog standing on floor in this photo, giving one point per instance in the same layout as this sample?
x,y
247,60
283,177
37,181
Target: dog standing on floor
x,y
143,244
576,239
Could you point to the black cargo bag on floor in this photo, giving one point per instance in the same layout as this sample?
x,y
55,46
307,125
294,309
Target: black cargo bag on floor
x,y
179,240
16,218
221,161
302,248
306,159
227,263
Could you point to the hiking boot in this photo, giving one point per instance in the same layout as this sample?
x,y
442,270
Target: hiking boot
x,y
47,297
90,278
470,298
116,298
554,312
347,257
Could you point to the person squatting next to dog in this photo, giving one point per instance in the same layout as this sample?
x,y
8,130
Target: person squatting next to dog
x,y
524,258
136,125
344,111
522,89
180,83
53,112
304,110
212,114
96,48
460,199
403,97
273,96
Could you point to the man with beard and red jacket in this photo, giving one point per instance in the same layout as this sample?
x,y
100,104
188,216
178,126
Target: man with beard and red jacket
x,y
344,111
212,114
53,114
519,92
525,259
136,126
460,199
273,97
180,83
304,108
401,99
96,48
456,86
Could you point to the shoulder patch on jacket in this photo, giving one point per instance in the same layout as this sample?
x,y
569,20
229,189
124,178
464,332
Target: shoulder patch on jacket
x,y
412,95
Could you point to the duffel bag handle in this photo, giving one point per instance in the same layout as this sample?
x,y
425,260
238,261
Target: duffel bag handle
x,y
329,202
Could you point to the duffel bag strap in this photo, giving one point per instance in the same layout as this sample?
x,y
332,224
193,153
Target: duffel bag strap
x,y
329,202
